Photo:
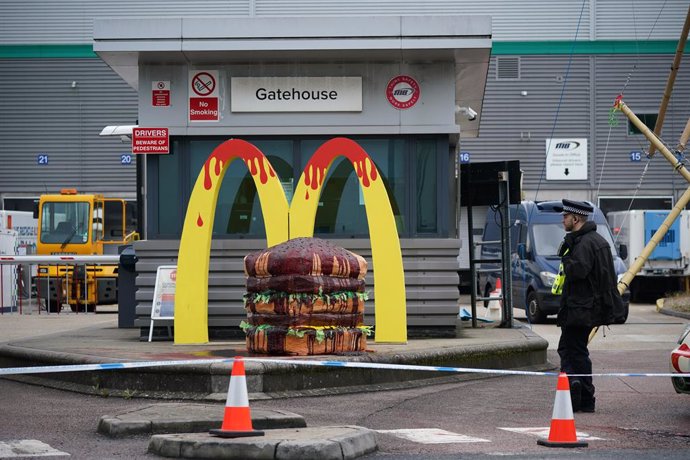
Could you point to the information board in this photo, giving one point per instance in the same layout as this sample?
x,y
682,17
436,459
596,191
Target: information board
x,y
163,306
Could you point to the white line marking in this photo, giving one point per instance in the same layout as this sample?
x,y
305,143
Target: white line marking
x,y
28,448
543,432
431,436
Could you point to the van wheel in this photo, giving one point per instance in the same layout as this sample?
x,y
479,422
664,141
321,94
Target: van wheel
x,y
534,313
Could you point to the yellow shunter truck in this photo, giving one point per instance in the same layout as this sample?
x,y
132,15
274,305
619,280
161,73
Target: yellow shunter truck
x,y
70,223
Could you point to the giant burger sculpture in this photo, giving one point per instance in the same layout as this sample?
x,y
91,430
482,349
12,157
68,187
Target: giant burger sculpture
x,y
305,297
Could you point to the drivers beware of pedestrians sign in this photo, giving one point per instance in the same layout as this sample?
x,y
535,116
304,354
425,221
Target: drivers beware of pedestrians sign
x,y
150,140
203,95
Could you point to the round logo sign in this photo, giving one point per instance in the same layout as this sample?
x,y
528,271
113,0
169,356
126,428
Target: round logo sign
x,y
402,92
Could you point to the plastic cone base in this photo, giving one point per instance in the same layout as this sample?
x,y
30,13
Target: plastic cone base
x,y
547,443
236,434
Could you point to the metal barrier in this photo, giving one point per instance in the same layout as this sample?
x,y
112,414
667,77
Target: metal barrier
x,y
58,282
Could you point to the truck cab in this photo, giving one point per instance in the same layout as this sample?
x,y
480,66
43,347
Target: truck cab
x,y
536,231
70,223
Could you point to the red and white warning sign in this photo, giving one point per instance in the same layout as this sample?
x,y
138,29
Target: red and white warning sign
x,y
402,92
160,93
203,95
150,140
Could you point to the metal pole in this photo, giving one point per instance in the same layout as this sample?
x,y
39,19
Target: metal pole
x,y
506,293
48,292
684,138
671,80
473,271
2,290
636,266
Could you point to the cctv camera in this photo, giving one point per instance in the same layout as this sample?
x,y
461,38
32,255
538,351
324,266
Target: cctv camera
x,y
468,112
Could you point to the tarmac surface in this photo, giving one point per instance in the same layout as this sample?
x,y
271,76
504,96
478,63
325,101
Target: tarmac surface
x,y
181,429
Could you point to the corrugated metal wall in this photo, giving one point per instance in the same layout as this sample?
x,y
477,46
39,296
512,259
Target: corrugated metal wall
x,y
638,19
71,21
431,282
41,113
516,126
643,94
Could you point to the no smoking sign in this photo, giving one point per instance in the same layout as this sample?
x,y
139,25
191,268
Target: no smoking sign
x,y
203,95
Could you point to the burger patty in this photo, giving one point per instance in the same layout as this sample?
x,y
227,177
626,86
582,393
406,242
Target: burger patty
x,y
304,283
315,319
285,306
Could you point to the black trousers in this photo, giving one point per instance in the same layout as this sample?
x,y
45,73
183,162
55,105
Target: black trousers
x,y
572,348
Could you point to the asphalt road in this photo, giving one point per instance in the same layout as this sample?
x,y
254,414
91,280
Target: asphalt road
x,y
637,417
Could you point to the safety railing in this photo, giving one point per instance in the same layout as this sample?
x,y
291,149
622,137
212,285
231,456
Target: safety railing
x,y
49,284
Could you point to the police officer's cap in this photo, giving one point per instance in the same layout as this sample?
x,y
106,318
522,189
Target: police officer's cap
x,y
575,207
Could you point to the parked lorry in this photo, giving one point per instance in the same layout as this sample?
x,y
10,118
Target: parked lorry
x,y
536,231
80,224
669,263
24,226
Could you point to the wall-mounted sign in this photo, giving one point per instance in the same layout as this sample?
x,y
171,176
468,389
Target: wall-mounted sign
x,y
296,94
402,92
635,156
160,94
203,95
150,140
42,159
566,159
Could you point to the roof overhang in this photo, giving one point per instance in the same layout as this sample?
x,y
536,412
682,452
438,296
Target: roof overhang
x,y
125,44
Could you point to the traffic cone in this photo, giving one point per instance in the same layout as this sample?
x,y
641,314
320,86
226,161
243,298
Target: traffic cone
x,y
237,420
562,433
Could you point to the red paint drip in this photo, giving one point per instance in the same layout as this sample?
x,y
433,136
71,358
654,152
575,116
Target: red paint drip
x,y
199,221
316,168
373,172
235,148
364,176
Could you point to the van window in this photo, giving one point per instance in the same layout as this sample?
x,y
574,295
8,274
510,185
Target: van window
x,y
514,235
548,237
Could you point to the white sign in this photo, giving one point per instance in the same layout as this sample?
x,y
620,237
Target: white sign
x,y
566,159
163,306
164,293
296,94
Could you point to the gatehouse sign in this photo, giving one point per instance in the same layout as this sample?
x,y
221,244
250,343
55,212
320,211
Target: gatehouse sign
x,y
296,94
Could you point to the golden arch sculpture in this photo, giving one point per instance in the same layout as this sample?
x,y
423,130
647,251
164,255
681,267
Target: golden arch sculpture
x,y
191,296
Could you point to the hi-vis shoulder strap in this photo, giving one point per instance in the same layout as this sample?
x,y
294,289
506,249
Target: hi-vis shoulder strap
x,y
557,286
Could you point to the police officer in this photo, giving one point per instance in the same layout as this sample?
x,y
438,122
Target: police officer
x,y
586,299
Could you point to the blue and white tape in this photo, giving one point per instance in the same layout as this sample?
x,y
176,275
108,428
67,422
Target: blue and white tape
x,y
292,362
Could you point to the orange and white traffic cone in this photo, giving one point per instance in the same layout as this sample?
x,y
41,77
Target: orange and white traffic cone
x,y
237,420
562,433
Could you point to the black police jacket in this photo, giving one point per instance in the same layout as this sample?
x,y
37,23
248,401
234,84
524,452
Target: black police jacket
x,y
589,292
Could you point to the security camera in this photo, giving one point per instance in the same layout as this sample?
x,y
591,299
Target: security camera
x,y
467,111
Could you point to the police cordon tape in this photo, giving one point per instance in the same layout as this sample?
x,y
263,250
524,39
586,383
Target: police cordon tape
x,y
407,367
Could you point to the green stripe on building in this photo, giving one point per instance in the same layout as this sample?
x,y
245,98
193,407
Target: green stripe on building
x,y
587,47
67,51
46,52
